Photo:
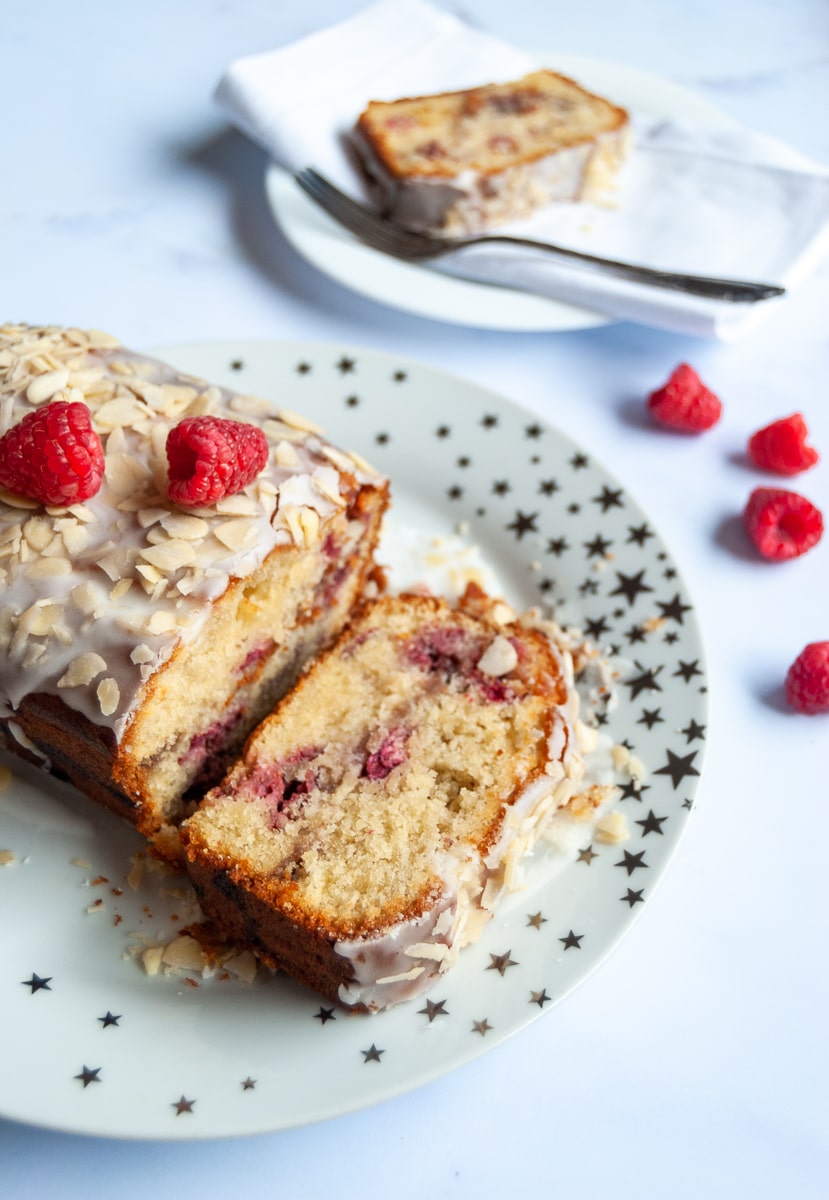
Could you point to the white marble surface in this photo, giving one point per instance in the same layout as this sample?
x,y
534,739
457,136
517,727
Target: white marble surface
x,y
693,1063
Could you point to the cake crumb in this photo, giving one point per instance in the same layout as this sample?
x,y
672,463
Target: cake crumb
x,y
5,777
612,829
7,858
83,863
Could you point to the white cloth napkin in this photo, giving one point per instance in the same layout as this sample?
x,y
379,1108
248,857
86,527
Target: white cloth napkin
x,y
727,203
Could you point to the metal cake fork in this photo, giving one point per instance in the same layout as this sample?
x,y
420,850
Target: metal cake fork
x,y
405,244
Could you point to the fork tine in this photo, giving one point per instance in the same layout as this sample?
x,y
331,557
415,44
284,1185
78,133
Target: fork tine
x,y
361,221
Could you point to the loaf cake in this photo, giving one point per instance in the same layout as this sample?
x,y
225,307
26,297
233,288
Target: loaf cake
x,y
378,814
141,641
461,162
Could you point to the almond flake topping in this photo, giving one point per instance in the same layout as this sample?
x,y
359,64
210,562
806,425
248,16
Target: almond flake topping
x,y
82,670
285,455
297,421
169,556
109,696
44,387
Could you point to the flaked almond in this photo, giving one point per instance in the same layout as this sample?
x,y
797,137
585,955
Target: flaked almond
x,y
182,525
184,954
151,958
38,532
109,696
141,654
239,505
160,622
82,670
499,658
48,568
169,556
256,406
242,965
285,455
362,464
44,387
326,482
236,534
611,829
297,421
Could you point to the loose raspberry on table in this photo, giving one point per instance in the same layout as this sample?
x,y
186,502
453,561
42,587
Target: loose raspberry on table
x,y
781,447
53,455
782,524
684,402
807,681
212,457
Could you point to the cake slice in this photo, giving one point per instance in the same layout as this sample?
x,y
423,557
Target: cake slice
x,y
140,641
461,162
378,814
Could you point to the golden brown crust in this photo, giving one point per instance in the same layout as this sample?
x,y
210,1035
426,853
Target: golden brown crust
x,y
470,102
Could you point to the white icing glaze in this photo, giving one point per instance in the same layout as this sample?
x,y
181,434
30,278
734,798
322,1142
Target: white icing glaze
x,y
127,574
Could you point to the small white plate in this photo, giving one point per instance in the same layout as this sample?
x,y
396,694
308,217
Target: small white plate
x,y
96,1046
428,293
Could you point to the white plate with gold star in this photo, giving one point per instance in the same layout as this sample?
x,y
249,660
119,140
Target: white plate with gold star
x,y
430,293
100,1047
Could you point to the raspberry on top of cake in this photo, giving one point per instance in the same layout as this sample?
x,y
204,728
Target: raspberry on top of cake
x,y
141,638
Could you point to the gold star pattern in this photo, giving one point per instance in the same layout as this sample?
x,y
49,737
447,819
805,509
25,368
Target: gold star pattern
x,y
434,1008
587,855
89,1075
536,920
481,1027
501,963
540,998
183,1105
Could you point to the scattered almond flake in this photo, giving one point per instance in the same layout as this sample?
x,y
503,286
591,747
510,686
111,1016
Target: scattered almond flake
x,y
34,652
121,588
82,670
109,695
74,535
502,613
124,410
257,406
236,534
340,460
116,442
6,858
96,906
82,513
309,520
38,532
362,464
148,573
637,769
181,525
433,950
403,976
80,862
289,513
612,829
49,568
160,622
285,455
17,501
620,756
170,556
326,481
44,387
184,954
239,505
117,564
151,958
142,654
651,624
297,421
101,340
499,658
126,474
243,965
149,516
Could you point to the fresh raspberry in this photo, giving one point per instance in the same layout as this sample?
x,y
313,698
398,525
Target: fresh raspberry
x,y
807,681
684,402
782,524
781,447
53,455
212,457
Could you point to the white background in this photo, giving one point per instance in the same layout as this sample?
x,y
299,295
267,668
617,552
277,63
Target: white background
x,y
693,1063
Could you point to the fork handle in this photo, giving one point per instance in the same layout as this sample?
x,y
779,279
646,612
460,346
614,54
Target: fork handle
x,y
738,291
